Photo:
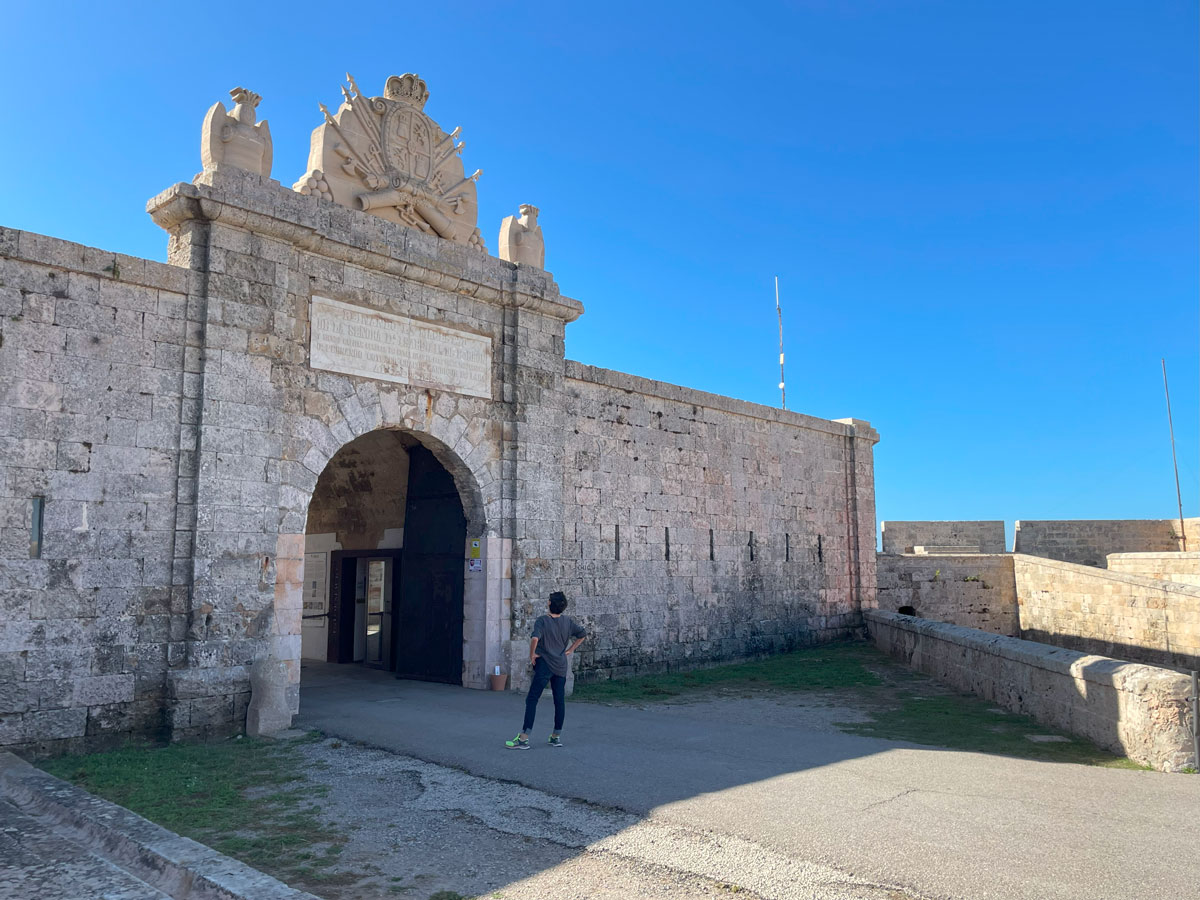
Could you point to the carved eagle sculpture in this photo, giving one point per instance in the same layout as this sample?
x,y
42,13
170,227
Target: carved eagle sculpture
x,y
233,140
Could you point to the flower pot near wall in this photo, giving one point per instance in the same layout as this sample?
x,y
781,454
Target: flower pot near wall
x,y
498,682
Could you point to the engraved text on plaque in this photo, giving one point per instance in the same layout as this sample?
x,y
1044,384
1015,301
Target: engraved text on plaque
x,y
358,341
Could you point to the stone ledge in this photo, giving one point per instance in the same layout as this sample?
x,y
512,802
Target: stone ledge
x,y
262,206
43,250
1140,710
175,865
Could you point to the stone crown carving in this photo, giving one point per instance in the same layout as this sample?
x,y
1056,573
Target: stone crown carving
x,y
386,156
232,139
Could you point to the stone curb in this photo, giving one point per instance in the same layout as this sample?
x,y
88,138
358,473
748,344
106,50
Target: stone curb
x,y
175,865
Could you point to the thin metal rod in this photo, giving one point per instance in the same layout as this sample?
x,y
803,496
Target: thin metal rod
x,y
779,312
1178,495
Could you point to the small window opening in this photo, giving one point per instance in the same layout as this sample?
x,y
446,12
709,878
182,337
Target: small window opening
x,y
820,552
712,548
35,528
667,539
751,545
617,529
787,547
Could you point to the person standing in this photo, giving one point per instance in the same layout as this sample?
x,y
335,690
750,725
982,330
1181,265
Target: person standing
x,y
555,637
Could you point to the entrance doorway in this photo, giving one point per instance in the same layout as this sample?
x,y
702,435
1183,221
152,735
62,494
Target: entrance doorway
x,y
384,561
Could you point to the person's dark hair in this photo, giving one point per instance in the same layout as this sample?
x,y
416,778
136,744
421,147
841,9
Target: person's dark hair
x,y
558,602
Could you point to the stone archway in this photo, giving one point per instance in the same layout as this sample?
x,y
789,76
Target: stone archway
x,y
387,558
460,435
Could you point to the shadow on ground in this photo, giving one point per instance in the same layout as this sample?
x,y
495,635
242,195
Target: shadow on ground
x,y
775,772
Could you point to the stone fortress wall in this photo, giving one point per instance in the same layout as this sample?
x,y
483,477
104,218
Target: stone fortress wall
x,y
975,537
169,423
974,591
1181,568
1143,606
1088,542
100,391
700,528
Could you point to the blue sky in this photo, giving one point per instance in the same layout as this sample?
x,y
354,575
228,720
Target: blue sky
x,y
983,215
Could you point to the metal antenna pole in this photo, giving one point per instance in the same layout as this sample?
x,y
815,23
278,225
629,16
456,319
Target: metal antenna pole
x,y
779,312
1171,424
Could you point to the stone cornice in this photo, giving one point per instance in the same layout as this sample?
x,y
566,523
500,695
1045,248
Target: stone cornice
x,y
256,204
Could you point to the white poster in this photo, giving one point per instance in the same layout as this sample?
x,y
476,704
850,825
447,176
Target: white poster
x,y
316,588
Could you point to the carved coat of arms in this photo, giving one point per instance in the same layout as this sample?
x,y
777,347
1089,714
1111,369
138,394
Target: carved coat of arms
x,y
384,155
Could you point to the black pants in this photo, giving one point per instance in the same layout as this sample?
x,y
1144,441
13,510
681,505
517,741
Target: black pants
x,y
558,686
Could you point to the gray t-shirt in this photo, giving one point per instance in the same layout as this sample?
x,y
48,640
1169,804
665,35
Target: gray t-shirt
x,y
554,636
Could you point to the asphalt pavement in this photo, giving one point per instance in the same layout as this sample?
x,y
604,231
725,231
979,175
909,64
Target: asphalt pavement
x,y
775,773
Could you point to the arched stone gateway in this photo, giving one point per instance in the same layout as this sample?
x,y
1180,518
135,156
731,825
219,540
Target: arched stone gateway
x,y
395,547
317,365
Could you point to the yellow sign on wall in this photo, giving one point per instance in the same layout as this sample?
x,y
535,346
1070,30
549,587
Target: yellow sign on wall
x,y
474,550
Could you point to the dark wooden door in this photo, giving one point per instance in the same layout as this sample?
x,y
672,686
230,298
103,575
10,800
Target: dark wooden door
x,y
429,619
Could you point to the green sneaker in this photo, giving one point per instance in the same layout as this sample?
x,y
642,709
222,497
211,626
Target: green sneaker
x,y
555,741
517,743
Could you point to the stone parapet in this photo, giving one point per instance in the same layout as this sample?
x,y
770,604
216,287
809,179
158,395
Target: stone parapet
x,y
1088,541
1114,613
1180,568
1140,711
975,591
947,537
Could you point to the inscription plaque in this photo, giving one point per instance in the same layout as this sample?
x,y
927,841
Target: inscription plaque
x,y
357,341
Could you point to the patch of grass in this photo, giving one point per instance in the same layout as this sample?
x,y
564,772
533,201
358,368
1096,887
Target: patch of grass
x,y
827,667
964,722
246,798
904,704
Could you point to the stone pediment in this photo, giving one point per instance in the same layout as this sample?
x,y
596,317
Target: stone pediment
x,y
384,155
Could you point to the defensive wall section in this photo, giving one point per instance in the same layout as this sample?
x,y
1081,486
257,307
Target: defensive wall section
x,y
1180,568
1088,542
163,431
1110,613
1135,710
977,537
1119,614
975,591
700,528
1084,541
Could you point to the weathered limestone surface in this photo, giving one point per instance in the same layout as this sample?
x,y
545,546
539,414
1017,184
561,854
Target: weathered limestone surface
x,y
975,537
1140,711
99,401
175,865
703,528
1126,615
269,711
1113,613
1088,542
972,591
1181,568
